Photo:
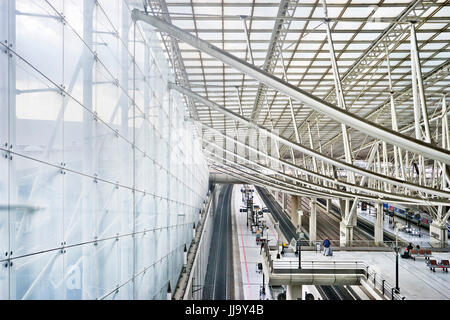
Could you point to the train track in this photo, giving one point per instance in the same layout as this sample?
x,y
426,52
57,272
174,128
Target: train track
x,y
328,225
218,274
363,226
285,224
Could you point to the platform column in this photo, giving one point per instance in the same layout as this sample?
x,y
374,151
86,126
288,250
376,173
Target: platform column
x,y
328,205
345,234
379,226
283,201
293,291
438,235
294,208
347,224
312,219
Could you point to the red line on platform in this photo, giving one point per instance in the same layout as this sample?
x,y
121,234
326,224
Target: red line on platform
x,y
245,261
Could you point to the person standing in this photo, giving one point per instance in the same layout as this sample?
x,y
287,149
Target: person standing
x,y
326,246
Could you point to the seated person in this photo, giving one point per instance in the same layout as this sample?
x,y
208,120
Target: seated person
x,y
407,253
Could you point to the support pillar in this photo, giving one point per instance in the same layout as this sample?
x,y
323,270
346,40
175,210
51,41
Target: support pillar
x,y
293,291
379,226
294,207
438,235
312,220
328,205
299,220
345,234
347,223
283,200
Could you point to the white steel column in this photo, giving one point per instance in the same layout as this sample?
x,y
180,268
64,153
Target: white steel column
x,y
398,161
438,235
341,103
379,226
294,209
312,220
415,61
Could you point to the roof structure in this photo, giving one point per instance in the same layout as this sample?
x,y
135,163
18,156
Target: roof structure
x,y
388,61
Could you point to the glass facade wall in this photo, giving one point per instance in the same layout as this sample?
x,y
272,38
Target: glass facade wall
x,y
101,177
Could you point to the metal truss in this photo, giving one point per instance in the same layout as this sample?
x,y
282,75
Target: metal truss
x,y
285,13
391,37
294,55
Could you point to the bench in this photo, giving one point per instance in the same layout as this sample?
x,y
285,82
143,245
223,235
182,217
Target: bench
x,y
432,264
444,265
421,253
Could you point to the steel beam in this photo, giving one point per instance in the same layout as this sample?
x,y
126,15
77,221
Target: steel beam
x,y
307,150
342,116
333,192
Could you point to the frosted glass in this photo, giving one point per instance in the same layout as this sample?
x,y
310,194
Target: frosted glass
x,y
103,189
39,276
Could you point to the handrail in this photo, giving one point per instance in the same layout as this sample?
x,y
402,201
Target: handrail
x,y
372,278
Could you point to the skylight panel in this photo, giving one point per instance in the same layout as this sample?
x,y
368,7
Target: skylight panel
x,y
357,12
346,25
443,12
295,24
388,12
376,26
209,24
342,36
315,36
260,24
367,36
424,36
302,11
208,11
184,24
260,36
443,36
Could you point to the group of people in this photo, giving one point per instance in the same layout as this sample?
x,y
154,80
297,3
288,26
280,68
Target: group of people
x,y
407,253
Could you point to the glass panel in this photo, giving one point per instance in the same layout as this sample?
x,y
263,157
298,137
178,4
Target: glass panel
x,y
39,276
36,206
71,182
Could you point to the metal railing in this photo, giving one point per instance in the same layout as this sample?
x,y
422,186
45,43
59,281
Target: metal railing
x,y
357,266
372,278
335,244
380,285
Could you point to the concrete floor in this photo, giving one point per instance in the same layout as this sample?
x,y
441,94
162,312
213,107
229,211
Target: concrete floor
x,y
416,280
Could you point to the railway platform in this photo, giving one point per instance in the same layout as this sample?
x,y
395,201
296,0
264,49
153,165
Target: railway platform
x,y
416,280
